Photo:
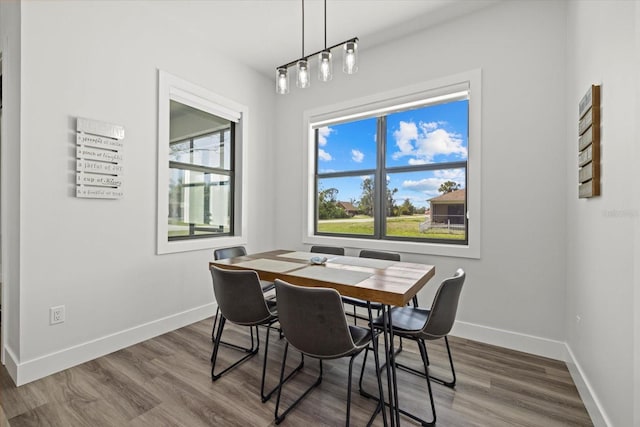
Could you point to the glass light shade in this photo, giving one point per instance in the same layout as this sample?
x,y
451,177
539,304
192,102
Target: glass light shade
x,y
303,74
325,67
350,57
282,81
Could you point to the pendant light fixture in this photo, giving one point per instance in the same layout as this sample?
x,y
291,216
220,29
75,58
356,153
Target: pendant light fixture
x,y
325,63
325,67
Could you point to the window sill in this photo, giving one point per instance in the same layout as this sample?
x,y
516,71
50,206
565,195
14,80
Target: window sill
x,y
457,251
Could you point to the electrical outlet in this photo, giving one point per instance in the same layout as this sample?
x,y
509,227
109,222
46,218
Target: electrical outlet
x,y
56,315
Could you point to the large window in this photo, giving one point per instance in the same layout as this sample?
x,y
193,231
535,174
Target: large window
x,y
398,175
398,170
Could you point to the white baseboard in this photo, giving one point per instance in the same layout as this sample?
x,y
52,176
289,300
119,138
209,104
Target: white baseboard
x,y
40,367
542,347
11,362
589,398
509,339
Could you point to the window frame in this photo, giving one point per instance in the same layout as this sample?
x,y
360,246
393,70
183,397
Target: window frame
x,y
173,164
387,103
174,88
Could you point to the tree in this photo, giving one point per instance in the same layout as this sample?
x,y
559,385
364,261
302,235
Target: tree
x,y
366,199
328,205
407,208
448,187
392,209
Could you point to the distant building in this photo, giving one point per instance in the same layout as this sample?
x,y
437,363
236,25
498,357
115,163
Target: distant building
x,y
449,207
348,208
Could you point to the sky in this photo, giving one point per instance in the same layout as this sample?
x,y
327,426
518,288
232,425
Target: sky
x,y
426,135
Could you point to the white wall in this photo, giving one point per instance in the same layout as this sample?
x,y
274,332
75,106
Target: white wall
x,y
514,295
636,264
602,49
10,42
97,257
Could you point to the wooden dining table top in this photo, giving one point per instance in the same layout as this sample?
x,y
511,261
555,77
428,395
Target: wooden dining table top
x,y
382,281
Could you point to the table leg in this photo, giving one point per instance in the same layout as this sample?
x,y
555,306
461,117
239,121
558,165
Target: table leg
x,y
377,367
389,365
391,360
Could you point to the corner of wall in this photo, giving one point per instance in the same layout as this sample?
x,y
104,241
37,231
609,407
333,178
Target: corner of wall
x,y
588,395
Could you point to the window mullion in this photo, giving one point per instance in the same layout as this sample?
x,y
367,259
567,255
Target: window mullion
x,y
380,217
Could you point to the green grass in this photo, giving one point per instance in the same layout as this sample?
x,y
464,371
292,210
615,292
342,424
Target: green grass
x,y
404,226
346,227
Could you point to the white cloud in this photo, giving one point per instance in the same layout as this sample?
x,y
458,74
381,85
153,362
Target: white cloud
x,y
323,134
430,125
426,140
439,141
404,136
323,155
357,156
428,187
417,162
456,175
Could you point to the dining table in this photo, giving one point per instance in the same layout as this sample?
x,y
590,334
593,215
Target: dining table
x,y
389,283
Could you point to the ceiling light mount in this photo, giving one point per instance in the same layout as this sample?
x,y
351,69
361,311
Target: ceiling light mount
x,y
325,66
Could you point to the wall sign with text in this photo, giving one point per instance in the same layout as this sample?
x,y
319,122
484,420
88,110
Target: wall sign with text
x,y
589,144
99,159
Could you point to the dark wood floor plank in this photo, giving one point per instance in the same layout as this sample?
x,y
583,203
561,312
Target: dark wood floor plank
x,y
166,381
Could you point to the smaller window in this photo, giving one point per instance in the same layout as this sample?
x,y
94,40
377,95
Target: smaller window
x,y
200,174
200,156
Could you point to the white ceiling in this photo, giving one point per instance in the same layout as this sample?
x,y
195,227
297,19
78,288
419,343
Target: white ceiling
x,y
266,33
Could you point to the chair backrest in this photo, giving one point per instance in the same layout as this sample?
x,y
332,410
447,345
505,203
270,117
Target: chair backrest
x,y
239,296
444,306
313,320
333,250
389,256
231,252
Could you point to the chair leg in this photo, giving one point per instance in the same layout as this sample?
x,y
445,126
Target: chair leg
x,y
423,353
267,396
228,344
281,417
442,381
424,423
215,322
216,346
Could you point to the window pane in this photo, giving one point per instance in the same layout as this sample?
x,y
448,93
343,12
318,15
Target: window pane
x,y
347,146
426,135
199,203
345,205
180,152
200,199
427,205
213,150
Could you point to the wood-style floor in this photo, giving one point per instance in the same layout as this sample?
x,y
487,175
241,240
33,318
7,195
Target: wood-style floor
x,y
166,382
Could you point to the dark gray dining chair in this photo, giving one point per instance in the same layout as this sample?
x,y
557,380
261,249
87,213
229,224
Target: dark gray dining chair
x,y
421,324
356,302
242,302
331,250
232,252
313,322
